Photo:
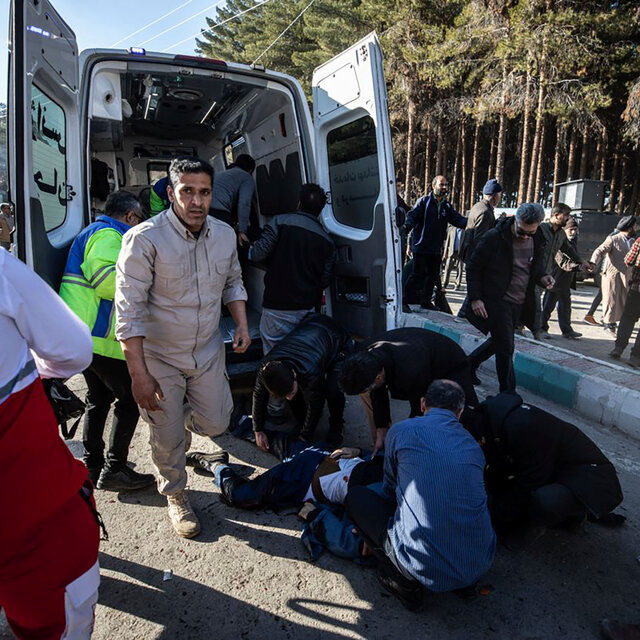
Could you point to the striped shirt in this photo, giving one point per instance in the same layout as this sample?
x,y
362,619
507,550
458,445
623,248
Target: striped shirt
x,y
441,531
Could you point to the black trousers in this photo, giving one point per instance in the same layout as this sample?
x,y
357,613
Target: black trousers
x,y
503,318
598,299
563,300
108,380
630,316
425,275
370,513
554,503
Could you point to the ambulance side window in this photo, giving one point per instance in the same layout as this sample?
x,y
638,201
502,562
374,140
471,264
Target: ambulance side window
x,y
353,172
49,154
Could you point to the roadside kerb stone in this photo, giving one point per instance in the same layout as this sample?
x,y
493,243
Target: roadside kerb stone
x,y
590,394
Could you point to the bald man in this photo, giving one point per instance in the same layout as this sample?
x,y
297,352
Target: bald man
x,y
428,222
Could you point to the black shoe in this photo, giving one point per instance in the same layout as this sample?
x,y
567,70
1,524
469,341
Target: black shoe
x,y
94,475
412,598
334,439
125,479
475,380
615,353
608,520
207,461
572,335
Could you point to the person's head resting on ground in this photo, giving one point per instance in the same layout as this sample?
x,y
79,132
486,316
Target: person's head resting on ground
x,y
444,394
560,215
312,199
361,373
571,228
245,162
627,225
124,207
6,208
440,186
492,192
528,217
280,379
189,190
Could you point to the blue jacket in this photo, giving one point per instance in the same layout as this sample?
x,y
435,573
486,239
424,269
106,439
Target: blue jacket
x,y
430,225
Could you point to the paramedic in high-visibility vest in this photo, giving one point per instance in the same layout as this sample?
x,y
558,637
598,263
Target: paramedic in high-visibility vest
x,y
49,535
173,274
88,287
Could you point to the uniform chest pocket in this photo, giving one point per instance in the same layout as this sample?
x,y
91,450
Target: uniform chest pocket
x,y
169,277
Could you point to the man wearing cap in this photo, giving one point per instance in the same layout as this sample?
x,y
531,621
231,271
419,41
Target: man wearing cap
x,y
564,273
615,272
7,225
502,272
481,217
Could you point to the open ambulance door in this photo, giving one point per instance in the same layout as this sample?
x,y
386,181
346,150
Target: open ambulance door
x,y
44,136
354,163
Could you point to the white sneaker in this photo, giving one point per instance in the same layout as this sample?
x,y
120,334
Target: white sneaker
x,y
183,518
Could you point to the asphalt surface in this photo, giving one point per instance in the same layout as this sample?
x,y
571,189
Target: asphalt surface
x,y
248,576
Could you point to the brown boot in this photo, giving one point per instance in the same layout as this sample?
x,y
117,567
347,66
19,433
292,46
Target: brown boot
x,y
183,518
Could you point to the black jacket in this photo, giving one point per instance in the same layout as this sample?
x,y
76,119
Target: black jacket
x,y
412,358
537,448
429,224
312,349
299,255
489,272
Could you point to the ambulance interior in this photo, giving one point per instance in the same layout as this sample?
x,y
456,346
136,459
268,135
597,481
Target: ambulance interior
x,y
142,116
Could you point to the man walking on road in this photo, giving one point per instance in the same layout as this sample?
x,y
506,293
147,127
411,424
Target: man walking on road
x,y
428,222
481,218
88,287
173,272
501,275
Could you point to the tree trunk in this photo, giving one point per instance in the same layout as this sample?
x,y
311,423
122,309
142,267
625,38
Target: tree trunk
x,y
454,179
526,124
556,162
633,198
439,148
603,157
537,195
474,166
537,137
408,174
463,167
502,129
492,154
613,186
428,152
571,162
584,158
622,201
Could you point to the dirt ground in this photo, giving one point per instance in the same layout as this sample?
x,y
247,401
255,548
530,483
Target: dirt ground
x,y
247,576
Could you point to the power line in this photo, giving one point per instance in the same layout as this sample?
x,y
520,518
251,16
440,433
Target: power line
x,y
146,26
218,24
175,26
285,31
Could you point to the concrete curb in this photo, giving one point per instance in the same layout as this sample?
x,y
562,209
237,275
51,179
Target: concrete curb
x,y
591,396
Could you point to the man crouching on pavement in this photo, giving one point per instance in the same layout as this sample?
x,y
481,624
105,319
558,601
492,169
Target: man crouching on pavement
x,y
431,527
172,273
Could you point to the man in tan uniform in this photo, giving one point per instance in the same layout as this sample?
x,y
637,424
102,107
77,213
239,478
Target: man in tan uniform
x,y
172,273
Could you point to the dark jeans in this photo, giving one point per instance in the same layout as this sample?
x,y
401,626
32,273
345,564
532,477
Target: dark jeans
x,y
598,299
425,275
552,504
370,513
108,380
563,300
248,494
503,318
630,316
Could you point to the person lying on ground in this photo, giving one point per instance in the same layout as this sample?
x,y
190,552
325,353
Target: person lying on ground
x,y
430,528
313,474
400,364
303,369
541,471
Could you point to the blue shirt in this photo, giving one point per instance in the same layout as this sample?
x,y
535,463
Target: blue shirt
x,y
441,531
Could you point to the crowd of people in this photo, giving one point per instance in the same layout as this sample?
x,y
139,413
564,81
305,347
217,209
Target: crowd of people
x,y
138,314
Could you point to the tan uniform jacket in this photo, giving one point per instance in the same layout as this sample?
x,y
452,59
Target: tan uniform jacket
x,y
169,285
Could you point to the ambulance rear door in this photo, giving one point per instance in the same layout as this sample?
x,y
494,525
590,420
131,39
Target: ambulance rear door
x,y
44,136
354,163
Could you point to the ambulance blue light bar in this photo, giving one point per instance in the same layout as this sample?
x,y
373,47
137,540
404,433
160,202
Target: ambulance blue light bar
x,y
137,51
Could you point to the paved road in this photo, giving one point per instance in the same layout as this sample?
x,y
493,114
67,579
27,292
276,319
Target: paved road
x,y
248,577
